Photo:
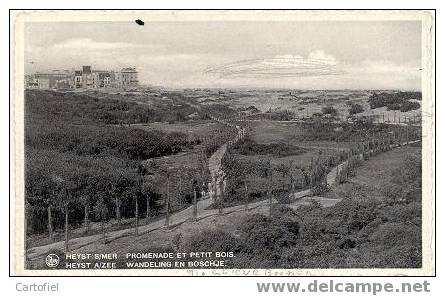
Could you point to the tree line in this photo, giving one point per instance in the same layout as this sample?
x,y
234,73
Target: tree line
x,y
79,170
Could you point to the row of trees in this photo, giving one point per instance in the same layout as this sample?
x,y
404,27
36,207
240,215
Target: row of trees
x,y
79,171
249,178
360,231
63,196
358,131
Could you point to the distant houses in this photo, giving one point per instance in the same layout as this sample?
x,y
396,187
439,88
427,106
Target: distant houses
x,y
86,78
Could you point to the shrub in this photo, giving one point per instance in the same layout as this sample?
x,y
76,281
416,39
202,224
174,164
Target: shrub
x,y
270,234
360,216
402,213
356,108
408,106
392,234
283,197
212,241
394,101
329,110
353,164
95,140
402,256
406,183
250,147
320,189
293,258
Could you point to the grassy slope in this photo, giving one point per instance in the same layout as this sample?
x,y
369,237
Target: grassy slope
x,y
376,174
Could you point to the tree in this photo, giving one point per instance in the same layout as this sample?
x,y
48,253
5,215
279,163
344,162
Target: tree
x,y
67,235
62,201
39,194
168,174
269,176
136,211
117,204
85,198
153,186
246,195
195,202
203,170
101,210
137,192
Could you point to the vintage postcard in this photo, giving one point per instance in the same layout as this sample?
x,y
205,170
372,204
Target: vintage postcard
x,y
231,143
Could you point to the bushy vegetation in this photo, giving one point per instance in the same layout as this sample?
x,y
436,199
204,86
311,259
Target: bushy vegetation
x,y
254,178
111,109
54,179
357,232
250,147
329,110
357,131
355,109
280,115
408,106
79,162
347,235
97,140
261,241
219,110
349,170
395,101
219,137
251,109
212,241
407,182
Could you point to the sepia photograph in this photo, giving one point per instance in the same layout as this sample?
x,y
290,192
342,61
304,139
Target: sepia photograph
x,y
231,143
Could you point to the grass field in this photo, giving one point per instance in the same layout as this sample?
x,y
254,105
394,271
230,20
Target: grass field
x,y
376,174
267,132
277,132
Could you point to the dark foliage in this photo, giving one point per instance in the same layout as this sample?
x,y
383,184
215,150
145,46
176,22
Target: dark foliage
x,y
250,147
395,101
96,140
72,156
408,106
357,232
357,131
355,109
329,110
100,108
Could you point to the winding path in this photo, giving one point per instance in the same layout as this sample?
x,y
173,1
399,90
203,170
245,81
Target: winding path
x,y
186,215
176,218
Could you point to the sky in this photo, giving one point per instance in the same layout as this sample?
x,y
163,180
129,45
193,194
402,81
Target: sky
x,y
234,54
